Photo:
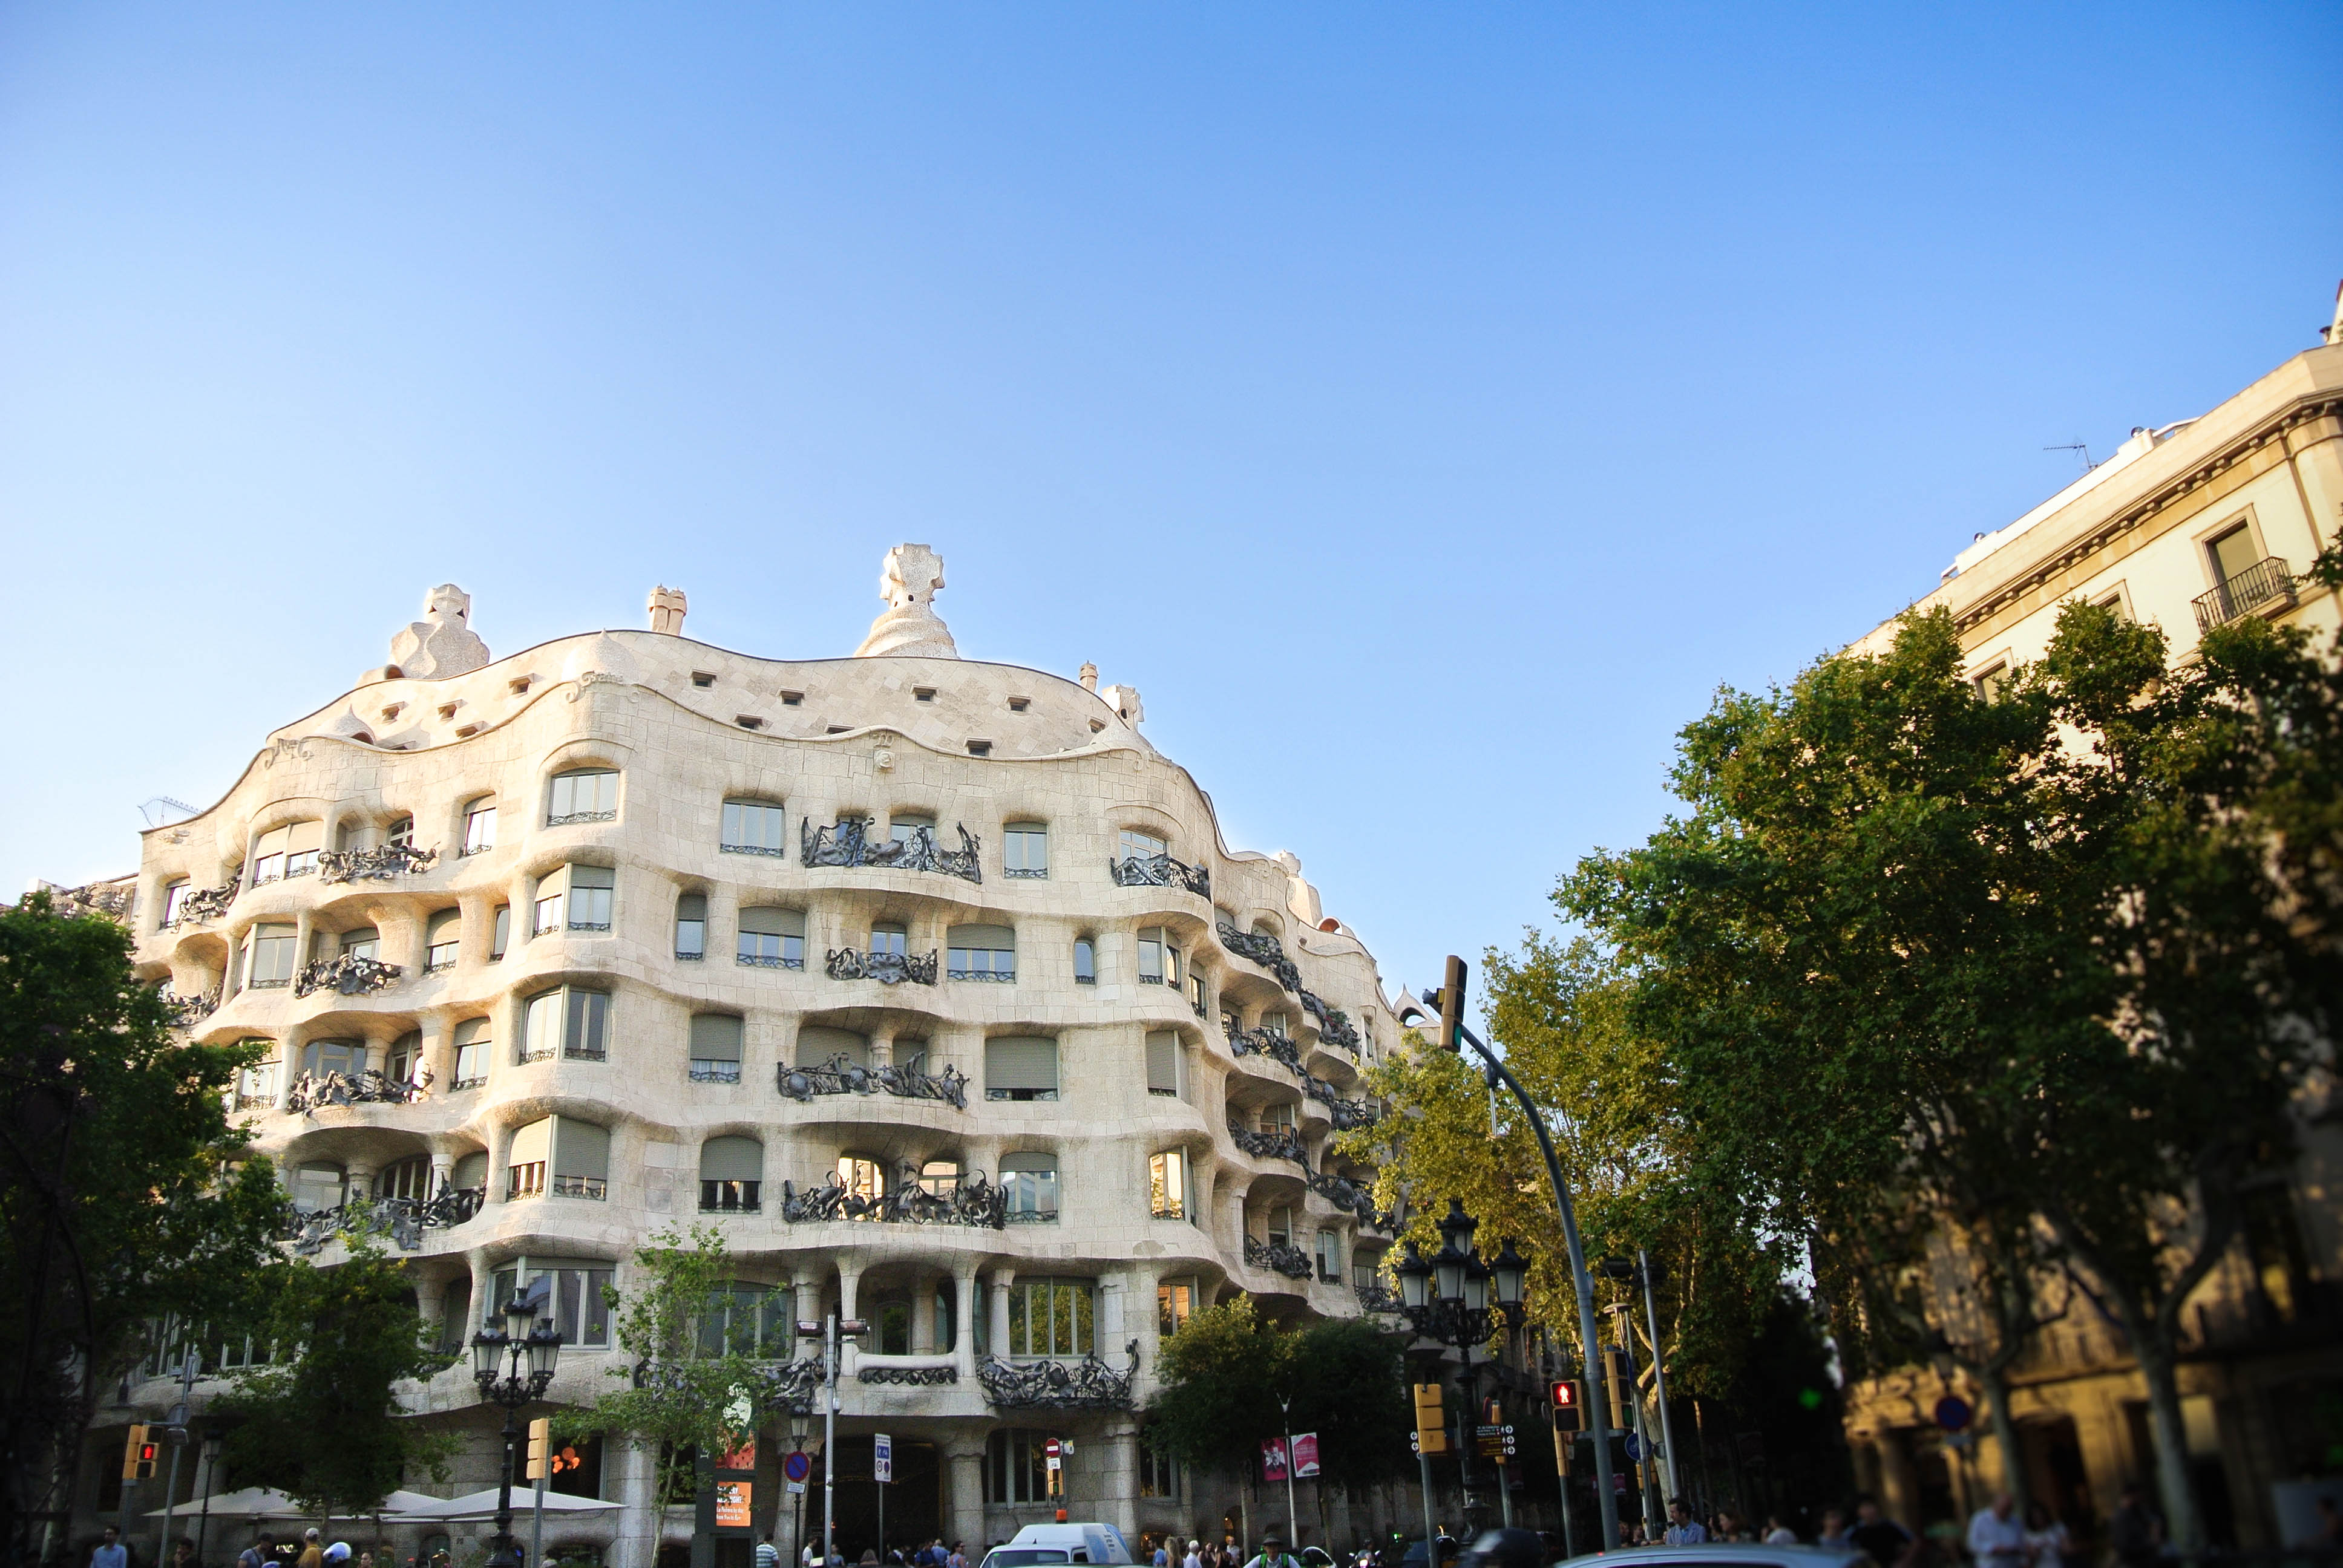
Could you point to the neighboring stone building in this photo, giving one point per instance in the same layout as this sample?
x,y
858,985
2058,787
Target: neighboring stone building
x,y
930,982
2184,528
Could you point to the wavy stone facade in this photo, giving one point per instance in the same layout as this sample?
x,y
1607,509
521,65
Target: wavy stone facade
x,y
928,982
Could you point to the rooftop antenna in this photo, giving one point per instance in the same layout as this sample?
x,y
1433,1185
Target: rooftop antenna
x,y
2079,449
146,810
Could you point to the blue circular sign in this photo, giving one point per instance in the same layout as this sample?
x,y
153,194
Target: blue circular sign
x,y
797,1466
1952,1413
1635,1449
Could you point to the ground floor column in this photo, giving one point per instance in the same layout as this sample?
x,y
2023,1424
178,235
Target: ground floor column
x,y
963,1510
1117,1478
964,1337
1002,1279
632,1475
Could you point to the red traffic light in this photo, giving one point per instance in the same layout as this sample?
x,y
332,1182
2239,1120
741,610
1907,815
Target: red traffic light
x,y
1566,1395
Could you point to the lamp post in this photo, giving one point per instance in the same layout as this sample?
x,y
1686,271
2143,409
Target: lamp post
x,y
830,1331
213,1438
1642,1271
1454,1299
514,1364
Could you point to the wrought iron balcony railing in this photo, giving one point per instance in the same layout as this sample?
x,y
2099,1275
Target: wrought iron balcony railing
x,y
1334,1026
1055,1384
972,1200
352,974
378,864
1345,1114
403,1220
1282,1145
313,1089
850,843
2265,585
885,968
204,903
1375,1296
926,1375
1279,1257
1160,871
1343,1193
1266,1043
840,1075
187,1012
593,1187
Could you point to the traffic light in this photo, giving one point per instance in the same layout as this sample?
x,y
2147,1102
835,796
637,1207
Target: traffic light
x,y
1451,1006
1617,1380
1431,1419
1569,1413
540,1448
139,1453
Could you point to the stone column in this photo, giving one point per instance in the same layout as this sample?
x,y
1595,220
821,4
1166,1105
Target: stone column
x,y
963,1512
964,1339
1117,1478
635,1473
1003,1278
1899,1486
923,1313
1113,1289
849,1277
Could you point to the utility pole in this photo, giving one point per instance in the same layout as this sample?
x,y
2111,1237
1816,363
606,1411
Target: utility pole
x,y
1659,1372
1453,1036
1292,1529
830,1331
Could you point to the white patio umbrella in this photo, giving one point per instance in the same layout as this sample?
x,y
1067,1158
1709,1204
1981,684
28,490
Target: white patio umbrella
x,y
475,1506
267,1502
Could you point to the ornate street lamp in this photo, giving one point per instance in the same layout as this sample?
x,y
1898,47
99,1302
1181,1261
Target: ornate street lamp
x,y
1457,1300
513,1365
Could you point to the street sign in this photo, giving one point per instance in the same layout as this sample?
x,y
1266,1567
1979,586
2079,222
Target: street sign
x,y
882,1457
1635,1449
797,1466
1953,1413
1494,1440
1054,1455
797,1487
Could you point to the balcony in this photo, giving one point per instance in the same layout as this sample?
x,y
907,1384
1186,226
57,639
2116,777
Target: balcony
x,y
204,903
352,974
187,1012
379,864
1160,871
1284,1143
1267,1043
1346,1114
850,844
2262,588
1281,1258
313,1090
1334,1026
403,1220
840,1075
1086,1384
1375,1296
1344,1194
973,1202
907,1370
885,968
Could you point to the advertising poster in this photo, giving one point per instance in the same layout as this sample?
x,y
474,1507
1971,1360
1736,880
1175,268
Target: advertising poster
x,y
1273,1458
1306,1454
732,1504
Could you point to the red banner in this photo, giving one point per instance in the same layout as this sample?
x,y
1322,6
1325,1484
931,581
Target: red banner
x,y
1273,1458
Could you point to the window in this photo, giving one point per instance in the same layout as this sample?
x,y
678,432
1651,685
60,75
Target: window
x,y
1020,1066
1159,960
409,1179
2232,554
455,1316
715,1048
1051,1318
889,937
1174,1301
287,852
1330,1258
1139,845
772,937
402,833
1016,1467
1274,1022
923,693
793,698
754,828
579,1308
1277,1118
581,1159
255,1085
819,1045
1158,1474
911,1055
358,944
860,1177
979,749
1025,849
1280,1225
1164,1062
316,1186
471,1172
691,926
346,1057
1019,704
1085,961
751,1321
479,825
471,1054
981,953
587,795
1196,1003
405,1055
592,889
1030,1181
524,1162
1168,1193
443,940
939,1177
269,957
703,678
500,934
174,898
732,1170
1990,682
574,1021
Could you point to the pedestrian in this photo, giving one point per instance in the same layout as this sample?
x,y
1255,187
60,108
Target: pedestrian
x,y
260,1554
1683,1529
2135,1532
1730,1526
1162,1556
767,1554
2046,1537
109,1552
959,1558
1778,1533
804,1558
1273,1555
1996,1535
1833,1529
313,1550
1887,1543
870,1558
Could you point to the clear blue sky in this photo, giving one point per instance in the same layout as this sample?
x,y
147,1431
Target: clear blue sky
x,y
1425,408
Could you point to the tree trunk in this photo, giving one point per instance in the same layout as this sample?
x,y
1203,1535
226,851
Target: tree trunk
x,y
1994,1378
2183,1525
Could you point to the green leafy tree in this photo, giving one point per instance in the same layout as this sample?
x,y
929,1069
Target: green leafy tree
x,y
1965,985
324,1422
128,1198
1347,1380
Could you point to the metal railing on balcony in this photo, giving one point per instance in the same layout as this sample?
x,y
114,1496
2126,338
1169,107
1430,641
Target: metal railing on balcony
x,y
843,1075
204,903
885,968
1279,1257
850,843
971,1200
2264,586
1160,871
403,1220
352,974
378,864
1284,1143
313,1090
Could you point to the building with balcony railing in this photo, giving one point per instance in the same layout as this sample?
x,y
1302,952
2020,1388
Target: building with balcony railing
x,y
1015,1059
2186,526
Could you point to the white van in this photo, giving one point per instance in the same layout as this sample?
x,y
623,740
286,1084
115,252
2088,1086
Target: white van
x,y
1050,1543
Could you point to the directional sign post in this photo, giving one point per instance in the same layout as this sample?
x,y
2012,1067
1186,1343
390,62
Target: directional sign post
x,y
882,1471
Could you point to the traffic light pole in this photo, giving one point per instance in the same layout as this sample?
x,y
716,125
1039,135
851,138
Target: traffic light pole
x,y
1659,1372
1588,1335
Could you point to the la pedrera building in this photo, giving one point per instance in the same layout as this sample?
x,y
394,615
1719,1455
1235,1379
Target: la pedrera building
x,y
928,982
